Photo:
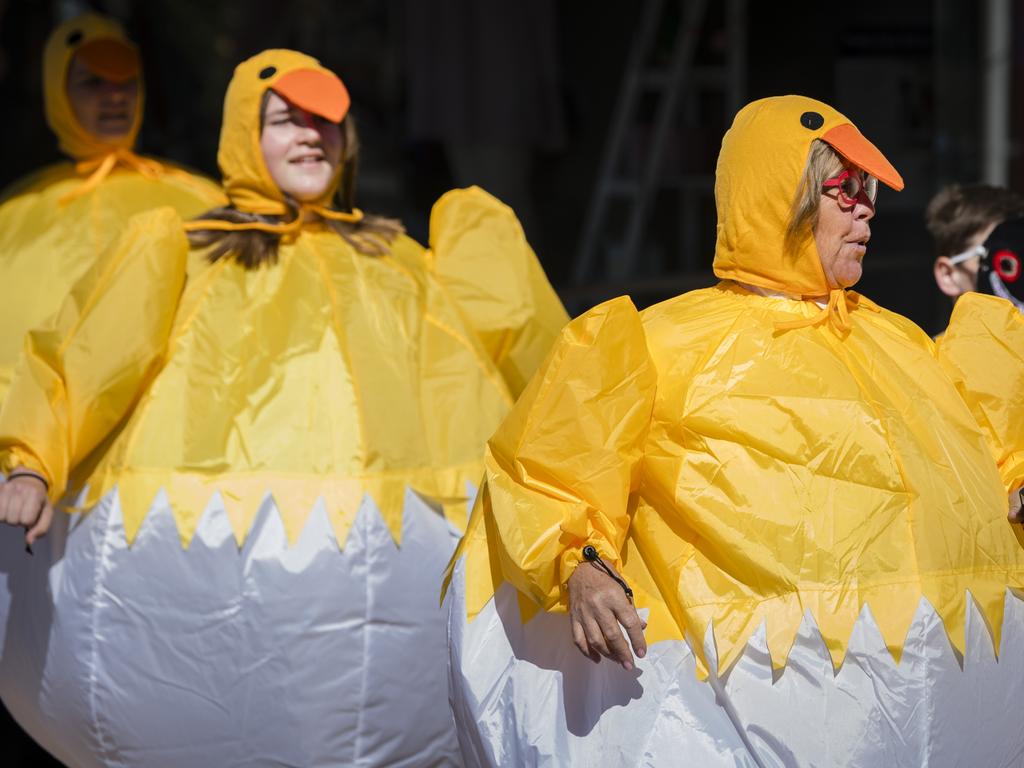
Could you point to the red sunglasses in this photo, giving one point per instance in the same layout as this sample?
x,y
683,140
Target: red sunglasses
x,y
850,185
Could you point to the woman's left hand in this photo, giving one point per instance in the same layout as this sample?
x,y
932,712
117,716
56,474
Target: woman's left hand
x,y
598,611
24,502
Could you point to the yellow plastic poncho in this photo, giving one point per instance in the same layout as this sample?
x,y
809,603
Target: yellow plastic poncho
x,y
328,373
743,458
55,223
983,353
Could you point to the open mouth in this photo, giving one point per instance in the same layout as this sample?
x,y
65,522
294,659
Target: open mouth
x,y
113,122
308,160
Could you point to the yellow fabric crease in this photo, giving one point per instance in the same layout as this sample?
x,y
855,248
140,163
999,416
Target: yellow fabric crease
x,y
508,302
747,459
983,353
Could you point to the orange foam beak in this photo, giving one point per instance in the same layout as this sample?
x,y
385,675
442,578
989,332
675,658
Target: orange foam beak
x,y
851,144
316,91
110,59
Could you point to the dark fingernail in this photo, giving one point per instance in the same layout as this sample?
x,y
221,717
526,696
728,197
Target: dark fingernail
x,y
28,548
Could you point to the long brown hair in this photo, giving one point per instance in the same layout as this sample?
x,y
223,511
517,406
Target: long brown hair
x,y
372,235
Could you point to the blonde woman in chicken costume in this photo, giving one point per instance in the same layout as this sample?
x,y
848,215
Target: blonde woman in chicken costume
x,y
808,520
278,430
55,223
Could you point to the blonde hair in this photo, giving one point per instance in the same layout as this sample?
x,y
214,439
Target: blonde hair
x,y
822,164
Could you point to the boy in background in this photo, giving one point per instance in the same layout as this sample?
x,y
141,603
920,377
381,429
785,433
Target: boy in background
x,y
960,218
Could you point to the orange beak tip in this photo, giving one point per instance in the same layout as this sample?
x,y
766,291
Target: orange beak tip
x,y
318,91
852,145
110,58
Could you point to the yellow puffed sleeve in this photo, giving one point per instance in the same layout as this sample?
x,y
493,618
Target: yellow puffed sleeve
x,y
81,373
983,352
561,468
480,256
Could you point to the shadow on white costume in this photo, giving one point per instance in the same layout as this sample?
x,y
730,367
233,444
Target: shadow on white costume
x,y
525,696
235,646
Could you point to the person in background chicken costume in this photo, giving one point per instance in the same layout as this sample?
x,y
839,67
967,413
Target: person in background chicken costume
x,y
983,350
766,502
277,413
959,218
55,223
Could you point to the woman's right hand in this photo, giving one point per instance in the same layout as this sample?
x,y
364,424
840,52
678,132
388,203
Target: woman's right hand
x,y
597,606
24,502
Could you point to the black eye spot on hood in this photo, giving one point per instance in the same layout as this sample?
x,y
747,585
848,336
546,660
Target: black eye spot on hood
x,y
267,72
74,38
812,121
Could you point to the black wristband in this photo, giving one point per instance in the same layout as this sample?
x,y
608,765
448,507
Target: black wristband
x,y
590,554
33,475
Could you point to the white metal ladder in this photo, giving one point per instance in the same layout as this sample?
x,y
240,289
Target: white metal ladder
x,y
668,85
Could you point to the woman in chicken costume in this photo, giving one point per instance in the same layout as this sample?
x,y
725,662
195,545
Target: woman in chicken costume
x,y
808,517
55,223
278,431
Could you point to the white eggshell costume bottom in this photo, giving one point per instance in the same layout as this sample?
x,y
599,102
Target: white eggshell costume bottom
x,y
157,656
523,695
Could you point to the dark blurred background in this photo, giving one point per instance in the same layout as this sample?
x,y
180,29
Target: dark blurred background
x,y
598,122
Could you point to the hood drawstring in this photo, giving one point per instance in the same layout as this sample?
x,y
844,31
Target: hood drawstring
x,y
101,167
836,312
284,228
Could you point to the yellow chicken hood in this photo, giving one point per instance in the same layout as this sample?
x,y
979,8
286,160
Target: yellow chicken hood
x,y
301,80
759,170
103,47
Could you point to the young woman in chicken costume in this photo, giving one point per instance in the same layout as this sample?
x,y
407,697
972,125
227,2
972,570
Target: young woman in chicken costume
x,y
55,223
278,430
795,494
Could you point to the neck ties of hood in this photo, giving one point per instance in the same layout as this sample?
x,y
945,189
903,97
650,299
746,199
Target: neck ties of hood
x,y
836,313
100,167
286,228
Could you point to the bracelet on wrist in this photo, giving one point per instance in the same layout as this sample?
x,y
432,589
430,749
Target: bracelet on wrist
x,y
590,555
33,475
